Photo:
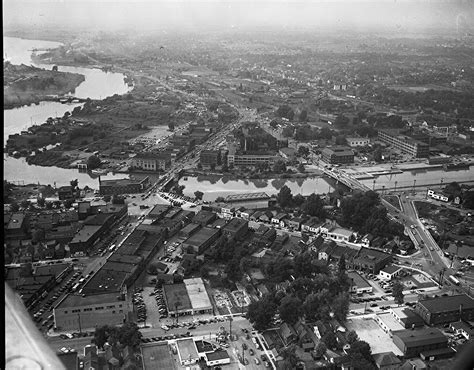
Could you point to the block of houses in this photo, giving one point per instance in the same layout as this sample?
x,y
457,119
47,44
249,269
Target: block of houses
x,y
313,225
266,216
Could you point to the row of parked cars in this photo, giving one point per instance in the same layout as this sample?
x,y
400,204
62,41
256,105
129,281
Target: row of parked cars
x,y
166,337
48,305
139,304
160,301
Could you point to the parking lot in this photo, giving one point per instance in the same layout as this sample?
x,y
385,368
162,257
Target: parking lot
x,y
369,331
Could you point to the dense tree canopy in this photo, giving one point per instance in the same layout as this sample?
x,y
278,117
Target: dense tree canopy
x,y
260,313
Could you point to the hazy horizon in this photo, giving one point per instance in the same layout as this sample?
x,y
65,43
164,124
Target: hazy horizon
x,y
359,15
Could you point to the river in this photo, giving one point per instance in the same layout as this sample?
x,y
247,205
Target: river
x,y
97,85
420,178
221,186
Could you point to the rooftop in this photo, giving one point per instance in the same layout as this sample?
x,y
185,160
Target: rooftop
x,y
187,349
73,300
358,280
449,303
197,294
156,356
84,234
201,236
217,355
246,196
341,231
121,182
235,224
420,337
391,269
177,297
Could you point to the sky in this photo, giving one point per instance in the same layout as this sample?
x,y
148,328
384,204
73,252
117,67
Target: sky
x,y
240,14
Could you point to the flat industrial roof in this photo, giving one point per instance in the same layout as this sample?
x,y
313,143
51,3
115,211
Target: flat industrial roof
x,y
420,337
197,294
358,280
187,349
201,236
177,297
74,300
157,356
390,321
449,303
84,234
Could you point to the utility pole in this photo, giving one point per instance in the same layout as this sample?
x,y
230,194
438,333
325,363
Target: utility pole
x,y
230,327
79,320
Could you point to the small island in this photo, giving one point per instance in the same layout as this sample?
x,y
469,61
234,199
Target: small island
x,y
25,85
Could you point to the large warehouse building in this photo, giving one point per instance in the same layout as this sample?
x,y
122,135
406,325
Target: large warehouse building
x,y
76,313
187,298
448,309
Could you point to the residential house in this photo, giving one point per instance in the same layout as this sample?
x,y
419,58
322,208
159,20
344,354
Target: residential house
x,y
278,219
288,334
387,361
313,225
462,328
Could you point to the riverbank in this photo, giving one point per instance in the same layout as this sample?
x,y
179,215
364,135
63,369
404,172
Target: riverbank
x,y
26,85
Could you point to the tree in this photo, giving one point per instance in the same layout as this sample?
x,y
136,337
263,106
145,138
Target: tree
x,y
107,198
129,335
101,335
93,162
329,339
288,131
198,194
41,202
118,199
74,183
378,155
340,306
341,265
352,337
225,167
279,166
68,203
284,196
341,120
303,115
14,207
321,349
290,357
362,349
303,151
285,111
298,200
290,309
179,189
171,126
314,206
25,204
260,313
398,292
220,200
